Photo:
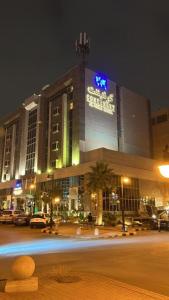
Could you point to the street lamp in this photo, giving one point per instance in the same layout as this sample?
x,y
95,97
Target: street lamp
x,y
164,170
32,187
124,181
57,201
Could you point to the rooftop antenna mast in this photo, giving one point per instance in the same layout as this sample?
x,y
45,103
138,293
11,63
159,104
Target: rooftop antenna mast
x,y
82,47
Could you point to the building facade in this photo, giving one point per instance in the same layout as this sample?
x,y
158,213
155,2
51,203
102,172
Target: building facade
x,y
63,128
160,134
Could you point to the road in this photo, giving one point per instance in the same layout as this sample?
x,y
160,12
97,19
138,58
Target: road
x,y
141,260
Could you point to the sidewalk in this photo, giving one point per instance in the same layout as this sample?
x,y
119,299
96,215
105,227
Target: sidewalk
x,y
89,286
77,231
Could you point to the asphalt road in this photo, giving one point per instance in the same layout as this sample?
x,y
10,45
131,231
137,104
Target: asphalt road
x,y
141,260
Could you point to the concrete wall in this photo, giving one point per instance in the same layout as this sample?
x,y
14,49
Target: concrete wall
x,y
160,132
135,123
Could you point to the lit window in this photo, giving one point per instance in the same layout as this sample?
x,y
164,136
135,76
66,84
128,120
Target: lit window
x,y
71,105
6,163
55,146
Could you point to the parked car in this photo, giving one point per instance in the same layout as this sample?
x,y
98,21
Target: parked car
x,y
8,216
39,220
137,222
23,219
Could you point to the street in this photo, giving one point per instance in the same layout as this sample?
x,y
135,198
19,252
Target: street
x,y
141,260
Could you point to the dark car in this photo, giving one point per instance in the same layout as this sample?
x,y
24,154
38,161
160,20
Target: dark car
x,y
164,224
22,219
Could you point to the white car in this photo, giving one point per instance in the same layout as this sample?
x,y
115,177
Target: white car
x,y
8,216
39,220
137,223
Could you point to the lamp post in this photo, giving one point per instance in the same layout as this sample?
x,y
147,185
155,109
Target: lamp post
x,y
51,176
164,171
124,181
32,187
57,201
50,192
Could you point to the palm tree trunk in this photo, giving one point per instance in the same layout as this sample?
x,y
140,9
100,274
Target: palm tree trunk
x,y
45,207
100,207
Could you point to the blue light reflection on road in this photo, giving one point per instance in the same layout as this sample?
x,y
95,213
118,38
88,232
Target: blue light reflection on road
x,y
51,246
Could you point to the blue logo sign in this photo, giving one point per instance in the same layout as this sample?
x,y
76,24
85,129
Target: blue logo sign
x,y
18,184
101,82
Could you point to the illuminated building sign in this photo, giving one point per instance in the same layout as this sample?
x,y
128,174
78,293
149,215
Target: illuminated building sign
x,y
18,188
18,183
17,191
100,100
101,82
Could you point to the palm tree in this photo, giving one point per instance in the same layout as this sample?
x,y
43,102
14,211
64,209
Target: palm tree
x,y
37,198
46,200
99,179
51,191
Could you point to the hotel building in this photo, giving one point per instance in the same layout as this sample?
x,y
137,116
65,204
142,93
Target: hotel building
x,y
65,128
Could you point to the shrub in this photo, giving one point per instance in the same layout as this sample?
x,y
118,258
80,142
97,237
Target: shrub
x,y
109,219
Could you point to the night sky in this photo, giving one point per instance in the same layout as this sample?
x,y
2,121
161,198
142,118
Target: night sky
x,y
129,42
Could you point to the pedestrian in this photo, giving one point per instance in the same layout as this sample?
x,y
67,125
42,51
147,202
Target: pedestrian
x,y
159,225
90,219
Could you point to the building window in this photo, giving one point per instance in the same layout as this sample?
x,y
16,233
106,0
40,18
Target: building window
x,y
7,150
153,121
162,118
31,142
53,163
129,198
55,146
55,128
56,111
6,163
71,105
9,136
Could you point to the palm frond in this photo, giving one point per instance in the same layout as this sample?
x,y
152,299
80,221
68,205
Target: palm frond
x,y
100,177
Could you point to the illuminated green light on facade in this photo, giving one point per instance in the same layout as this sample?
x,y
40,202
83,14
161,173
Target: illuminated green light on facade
x,y
75,156
58,163
65,131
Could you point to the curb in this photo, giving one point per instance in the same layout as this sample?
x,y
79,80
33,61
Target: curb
x,y
141,229
49,231
139,290
122,234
